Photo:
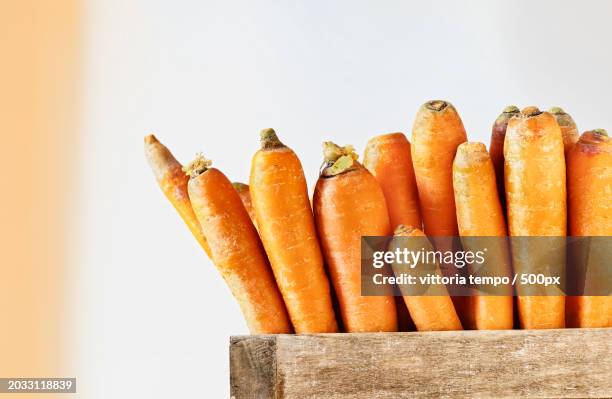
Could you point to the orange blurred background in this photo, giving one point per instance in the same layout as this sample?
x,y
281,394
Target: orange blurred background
x,y
38,78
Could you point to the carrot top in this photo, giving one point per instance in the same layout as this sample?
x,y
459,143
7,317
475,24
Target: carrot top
x,y
507,113
269,139
530,111
563,118
436,105
198,166
337,159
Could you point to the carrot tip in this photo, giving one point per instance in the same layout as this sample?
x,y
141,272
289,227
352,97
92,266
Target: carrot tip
x,y
511,109
198,166
437,105
150,139
269,139
531,111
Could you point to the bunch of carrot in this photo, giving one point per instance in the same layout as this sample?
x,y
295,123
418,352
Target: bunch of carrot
x,y
295,265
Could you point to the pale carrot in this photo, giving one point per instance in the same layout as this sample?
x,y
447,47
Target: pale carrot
x,y
245,196
286,226
173,183
388,158
348,204
479,214
496,149
536,198
569,131
236,248
436,134
589,172
429,312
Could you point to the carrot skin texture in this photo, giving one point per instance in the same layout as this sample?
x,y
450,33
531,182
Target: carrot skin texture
x,y
429,313
286,226
536,199
245,197
238,252
479,214
589,172
496,149
348,206
388,158
173,183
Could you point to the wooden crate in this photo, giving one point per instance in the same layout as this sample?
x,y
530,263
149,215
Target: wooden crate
x,y
487,364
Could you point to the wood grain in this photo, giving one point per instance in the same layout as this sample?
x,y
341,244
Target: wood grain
x,y
565,363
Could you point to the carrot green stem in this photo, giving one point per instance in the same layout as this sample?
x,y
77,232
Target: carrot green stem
x,y
269,139
511,109
198,166
337,159
556,111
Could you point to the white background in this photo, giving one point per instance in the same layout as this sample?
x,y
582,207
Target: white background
x,y
154,317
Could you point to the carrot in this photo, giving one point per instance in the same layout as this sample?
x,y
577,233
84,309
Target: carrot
x,y
569,131
348,204
496,149
286,226
479,214
535,194
245,197
429,313
436,133
173,183
388,158
589,175
236,248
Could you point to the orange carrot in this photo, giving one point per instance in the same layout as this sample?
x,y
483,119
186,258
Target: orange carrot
x,y
535,194
286,225
236,249
569,131
349,204
173,182
479,214
436,134
245,196
388,158
589,172
496,149
429,312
